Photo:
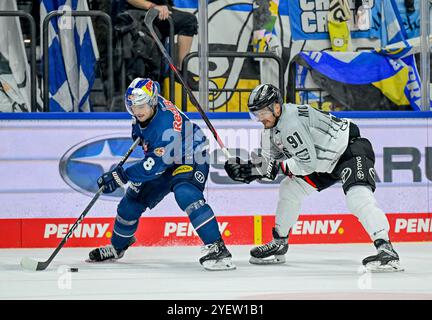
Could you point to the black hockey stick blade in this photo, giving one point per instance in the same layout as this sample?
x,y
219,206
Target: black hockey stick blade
x,y
148,20
30,264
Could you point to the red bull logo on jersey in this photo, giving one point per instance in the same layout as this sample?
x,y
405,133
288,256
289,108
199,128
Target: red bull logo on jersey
x,y
178,121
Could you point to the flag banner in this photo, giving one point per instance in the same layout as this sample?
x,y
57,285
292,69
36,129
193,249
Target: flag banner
x,y
365,80
393,30
72,56
410,19
300,25
14,67
265,14
308,20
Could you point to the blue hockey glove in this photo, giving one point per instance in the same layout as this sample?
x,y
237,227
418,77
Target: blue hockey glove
x,y
113,179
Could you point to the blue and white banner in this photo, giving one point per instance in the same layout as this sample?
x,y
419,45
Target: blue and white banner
x,y
411,20
308,20
343,74
393,30
14,68
72,56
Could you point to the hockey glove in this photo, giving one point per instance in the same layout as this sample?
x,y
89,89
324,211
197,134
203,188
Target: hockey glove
x,y
113,179
250,171
241,172
263,167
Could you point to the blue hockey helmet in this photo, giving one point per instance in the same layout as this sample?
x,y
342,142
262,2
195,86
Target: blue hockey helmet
x,y
141,91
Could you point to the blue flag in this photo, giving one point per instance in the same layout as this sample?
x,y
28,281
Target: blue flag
x,y
393,29
72,56
363,79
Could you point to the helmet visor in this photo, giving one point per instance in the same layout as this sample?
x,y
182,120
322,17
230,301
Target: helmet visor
x,y
261,114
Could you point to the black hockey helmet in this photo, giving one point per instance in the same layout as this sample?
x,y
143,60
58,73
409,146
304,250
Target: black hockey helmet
x,y
263,96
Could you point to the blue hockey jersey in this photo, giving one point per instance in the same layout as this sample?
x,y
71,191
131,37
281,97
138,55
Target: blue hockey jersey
x,y
169,139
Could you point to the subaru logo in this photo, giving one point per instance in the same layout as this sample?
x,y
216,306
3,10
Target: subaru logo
x,y
85,162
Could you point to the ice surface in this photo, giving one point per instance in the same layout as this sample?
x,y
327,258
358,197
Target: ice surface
x,y
311,272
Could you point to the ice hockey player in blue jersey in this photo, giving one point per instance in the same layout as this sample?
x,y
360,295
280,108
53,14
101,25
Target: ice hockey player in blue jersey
x,y
176,160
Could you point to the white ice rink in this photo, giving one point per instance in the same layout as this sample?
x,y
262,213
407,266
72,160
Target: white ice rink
x,y
311,272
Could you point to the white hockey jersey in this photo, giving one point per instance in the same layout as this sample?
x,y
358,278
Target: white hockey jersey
x,y
311,140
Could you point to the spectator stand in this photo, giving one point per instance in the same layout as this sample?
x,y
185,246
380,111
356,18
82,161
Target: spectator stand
x,y
230,92
117,104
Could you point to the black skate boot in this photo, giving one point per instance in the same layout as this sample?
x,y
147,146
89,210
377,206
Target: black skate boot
x,y
387,260
217,257
108,253
272,252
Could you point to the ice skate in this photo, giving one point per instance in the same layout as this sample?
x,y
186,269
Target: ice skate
x,y
108,253
387,260
272,252
217,257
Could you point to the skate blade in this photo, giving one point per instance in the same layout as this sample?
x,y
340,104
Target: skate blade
x,y
376,267
221,265
268,260
104,261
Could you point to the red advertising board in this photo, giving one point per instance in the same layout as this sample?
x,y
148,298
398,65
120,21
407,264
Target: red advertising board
x,y
236,230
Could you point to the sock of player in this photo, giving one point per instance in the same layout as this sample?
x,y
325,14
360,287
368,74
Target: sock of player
x,y
361,201
191,200
205,224
287,213
123,231
291,195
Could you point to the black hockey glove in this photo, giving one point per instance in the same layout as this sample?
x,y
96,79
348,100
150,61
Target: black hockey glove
x,y
241,172
113,179
263,167
250,171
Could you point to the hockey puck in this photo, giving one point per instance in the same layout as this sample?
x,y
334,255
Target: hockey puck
x,y
73,269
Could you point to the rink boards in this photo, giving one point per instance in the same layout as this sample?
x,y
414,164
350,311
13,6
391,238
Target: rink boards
x,y
240,230
49,168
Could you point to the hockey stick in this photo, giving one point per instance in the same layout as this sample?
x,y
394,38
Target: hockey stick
x,y
148,20
34,265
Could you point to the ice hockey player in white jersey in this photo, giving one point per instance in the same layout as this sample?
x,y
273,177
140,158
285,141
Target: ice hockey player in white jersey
x,y
314,150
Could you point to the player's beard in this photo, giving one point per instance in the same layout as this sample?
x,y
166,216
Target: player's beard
x,y
268,124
